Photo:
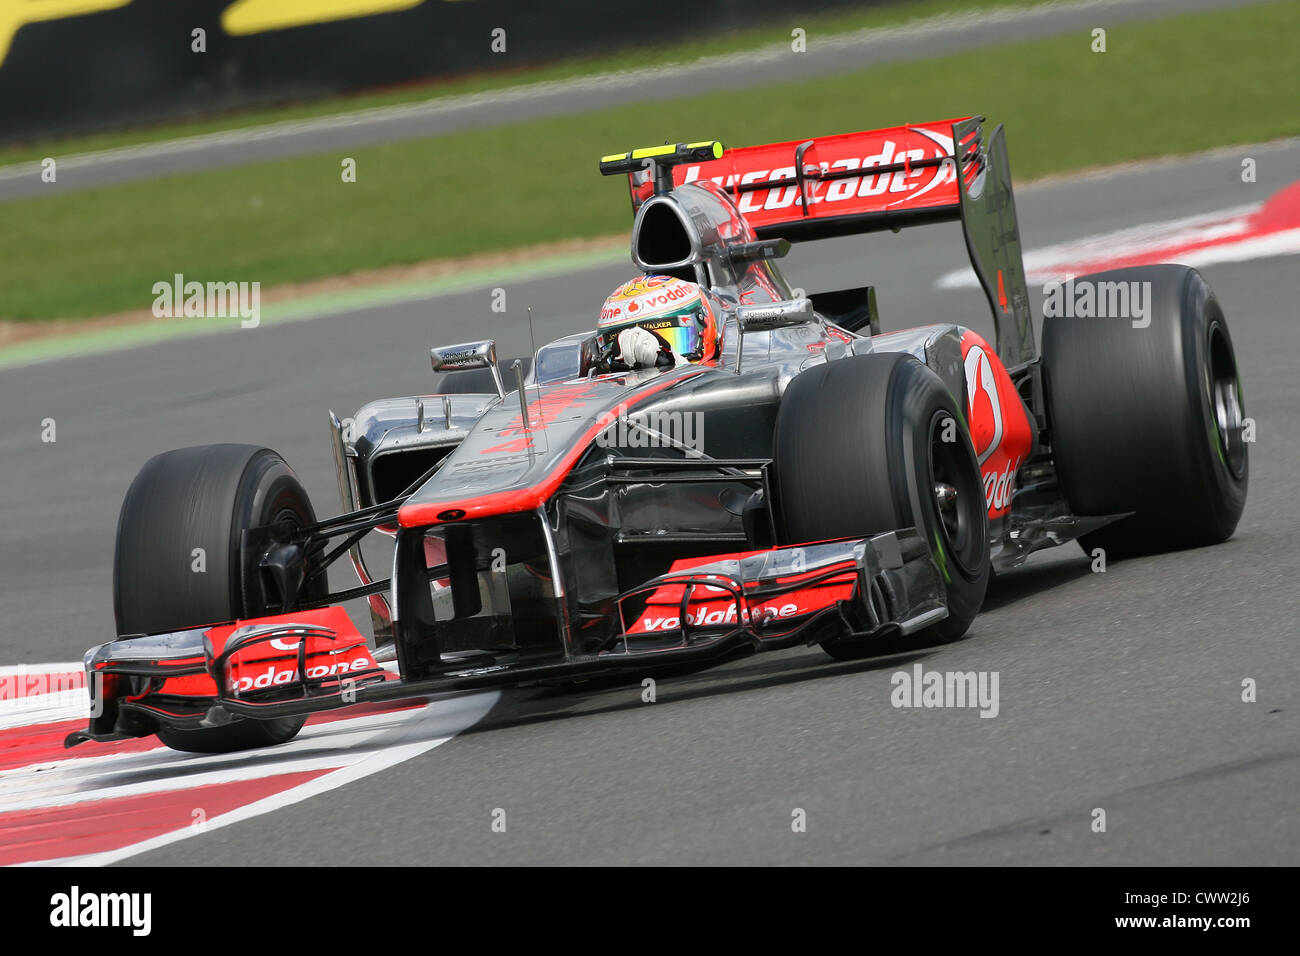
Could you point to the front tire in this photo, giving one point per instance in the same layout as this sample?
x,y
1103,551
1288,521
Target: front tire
x,y
179,564
1148,419
862,446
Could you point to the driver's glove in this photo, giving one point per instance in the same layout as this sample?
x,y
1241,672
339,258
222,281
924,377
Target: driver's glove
x,y
638,348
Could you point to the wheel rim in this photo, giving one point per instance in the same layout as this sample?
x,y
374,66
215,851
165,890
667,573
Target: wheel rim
x,y
956,496
1225,402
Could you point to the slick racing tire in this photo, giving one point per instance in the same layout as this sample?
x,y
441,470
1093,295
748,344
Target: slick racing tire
x,y
476,381
193,498
859,449
1147,418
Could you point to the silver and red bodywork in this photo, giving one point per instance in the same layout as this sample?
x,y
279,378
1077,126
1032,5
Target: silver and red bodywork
x,y
523,546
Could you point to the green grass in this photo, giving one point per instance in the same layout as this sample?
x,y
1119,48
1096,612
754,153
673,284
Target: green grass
x,y
1178,85
891,14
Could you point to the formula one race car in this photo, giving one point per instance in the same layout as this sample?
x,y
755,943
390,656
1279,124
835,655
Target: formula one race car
x,y
801,477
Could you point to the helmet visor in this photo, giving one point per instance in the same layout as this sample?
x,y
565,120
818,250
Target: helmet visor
x,y
683,333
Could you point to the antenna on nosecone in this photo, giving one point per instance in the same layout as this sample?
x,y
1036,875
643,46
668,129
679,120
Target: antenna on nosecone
x,y
531,340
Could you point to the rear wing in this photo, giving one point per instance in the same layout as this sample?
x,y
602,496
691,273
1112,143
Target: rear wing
x,y
865,182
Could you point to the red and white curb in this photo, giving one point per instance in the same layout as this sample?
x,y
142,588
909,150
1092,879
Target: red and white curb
x,y
99,803
1271,228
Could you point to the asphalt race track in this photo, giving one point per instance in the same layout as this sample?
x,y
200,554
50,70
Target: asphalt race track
x,y
1119,691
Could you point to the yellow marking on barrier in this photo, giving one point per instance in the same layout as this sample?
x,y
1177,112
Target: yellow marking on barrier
x,y
260,16
15,14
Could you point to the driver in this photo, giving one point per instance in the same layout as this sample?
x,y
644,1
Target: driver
x,y
657,322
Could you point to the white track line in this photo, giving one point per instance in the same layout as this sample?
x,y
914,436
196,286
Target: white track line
x,y
17,670
364,745
71,704
1054,262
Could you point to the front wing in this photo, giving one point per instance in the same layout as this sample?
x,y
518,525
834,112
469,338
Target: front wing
x,y
703,611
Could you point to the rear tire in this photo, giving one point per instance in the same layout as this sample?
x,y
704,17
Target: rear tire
x,y
858,450
1148,419
193,498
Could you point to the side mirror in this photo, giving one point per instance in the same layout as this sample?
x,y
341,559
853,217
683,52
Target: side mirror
x,y
468,355
775,315
766,318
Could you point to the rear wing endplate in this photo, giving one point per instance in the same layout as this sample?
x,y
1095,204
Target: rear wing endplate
x,y
992,232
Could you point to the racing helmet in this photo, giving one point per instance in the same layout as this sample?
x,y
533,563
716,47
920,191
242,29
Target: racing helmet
x,y
678,313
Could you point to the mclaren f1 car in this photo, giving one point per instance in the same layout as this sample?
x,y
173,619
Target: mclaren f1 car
x,y
820,481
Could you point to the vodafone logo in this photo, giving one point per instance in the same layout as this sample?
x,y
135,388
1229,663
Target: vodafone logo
x,y
658,300
675,294
985,405
275,678
706,617
998,486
